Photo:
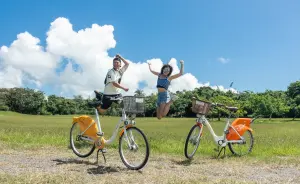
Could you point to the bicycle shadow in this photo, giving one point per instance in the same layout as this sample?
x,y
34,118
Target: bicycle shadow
x,y
105,170
73,161
100,169
186,162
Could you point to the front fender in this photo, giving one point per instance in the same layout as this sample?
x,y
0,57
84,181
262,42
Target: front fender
x,y
122,131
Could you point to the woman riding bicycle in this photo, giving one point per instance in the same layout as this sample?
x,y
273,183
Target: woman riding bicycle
x,y
164,79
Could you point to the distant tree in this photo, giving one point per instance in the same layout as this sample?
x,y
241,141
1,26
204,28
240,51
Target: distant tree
x,y
139,92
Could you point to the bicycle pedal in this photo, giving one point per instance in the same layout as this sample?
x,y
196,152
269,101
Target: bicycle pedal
x,y
100,133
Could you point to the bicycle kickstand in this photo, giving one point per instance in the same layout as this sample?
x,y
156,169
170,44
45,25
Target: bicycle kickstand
x,y
222,148
102,151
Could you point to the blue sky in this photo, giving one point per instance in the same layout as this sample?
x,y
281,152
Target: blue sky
x,y
261,39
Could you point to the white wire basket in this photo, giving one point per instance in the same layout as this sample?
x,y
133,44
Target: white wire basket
x,y
200,107
134,104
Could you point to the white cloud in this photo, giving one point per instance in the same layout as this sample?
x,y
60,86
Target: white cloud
x,y
223,60
221,88
10,77
26,61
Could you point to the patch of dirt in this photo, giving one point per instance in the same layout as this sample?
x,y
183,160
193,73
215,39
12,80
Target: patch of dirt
x,y
159,169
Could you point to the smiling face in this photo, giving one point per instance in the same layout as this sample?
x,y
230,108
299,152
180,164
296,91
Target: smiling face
x,y
117,64
166,70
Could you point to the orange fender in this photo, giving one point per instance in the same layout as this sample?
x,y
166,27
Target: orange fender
x,y
200,125
84,122
122,131
241,125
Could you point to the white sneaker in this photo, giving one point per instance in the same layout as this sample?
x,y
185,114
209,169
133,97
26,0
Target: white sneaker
x,y
173,97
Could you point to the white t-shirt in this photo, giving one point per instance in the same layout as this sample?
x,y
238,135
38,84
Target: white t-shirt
x,y
113,76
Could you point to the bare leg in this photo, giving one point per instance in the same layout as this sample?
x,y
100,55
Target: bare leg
x,y
101,111
158,113
161,110
167,108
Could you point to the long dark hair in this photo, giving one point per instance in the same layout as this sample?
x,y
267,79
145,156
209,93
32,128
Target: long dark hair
x,y
165,66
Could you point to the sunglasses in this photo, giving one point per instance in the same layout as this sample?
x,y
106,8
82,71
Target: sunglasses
x,y
166,69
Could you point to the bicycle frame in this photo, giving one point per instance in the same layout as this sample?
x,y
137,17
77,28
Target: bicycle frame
x,y
219,140
114,135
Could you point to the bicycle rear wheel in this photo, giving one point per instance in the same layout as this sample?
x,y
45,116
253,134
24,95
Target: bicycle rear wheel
x,y
134,148
244,148
192,141
82,146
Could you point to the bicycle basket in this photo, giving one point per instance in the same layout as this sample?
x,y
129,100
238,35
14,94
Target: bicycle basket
x,y
200,107
134,104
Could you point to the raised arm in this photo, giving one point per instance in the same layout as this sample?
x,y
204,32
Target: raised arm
x,y
111,78
124,68
155,73
179,74
117,85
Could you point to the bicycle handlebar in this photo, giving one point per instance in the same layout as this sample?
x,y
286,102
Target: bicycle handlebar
x,y
255,118
234,109
218,105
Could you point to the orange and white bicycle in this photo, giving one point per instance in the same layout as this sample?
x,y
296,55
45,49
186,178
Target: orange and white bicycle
x,y
86,134
237,135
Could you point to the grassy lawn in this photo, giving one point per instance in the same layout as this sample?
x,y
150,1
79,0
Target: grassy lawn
x,y
278,137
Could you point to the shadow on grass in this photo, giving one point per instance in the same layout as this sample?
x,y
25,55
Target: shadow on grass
x,y
108,169
97,170
105,170
73,161
186,162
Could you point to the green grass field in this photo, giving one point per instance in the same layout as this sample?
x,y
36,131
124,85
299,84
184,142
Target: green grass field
x,y
278,137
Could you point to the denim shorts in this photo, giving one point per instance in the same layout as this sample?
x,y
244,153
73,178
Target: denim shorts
x,y
163,97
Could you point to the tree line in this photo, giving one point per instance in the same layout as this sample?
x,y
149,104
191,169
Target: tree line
x,y
269,104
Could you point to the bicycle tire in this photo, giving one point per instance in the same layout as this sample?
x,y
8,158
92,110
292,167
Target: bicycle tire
x,y
230,145
147,151
187,142
74,148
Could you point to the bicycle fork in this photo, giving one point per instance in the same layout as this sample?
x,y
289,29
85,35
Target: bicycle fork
x,y
219,140
129,138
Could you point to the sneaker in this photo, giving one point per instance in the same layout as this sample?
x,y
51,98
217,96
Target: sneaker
x,y
173,97
98,95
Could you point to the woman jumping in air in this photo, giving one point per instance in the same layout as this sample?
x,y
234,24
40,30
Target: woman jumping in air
x,y
164,99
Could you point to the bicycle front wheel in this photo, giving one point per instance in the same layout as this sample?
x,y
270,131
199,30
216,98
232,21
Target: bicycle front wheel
x,y
192,141
82,146
134,148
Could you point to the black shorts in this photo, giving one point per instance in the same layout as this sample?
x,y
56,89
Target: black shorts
x,y
106,101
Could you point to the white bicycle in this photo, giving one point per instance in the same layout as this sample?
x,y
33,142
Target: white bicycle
x,y
237,135
86,134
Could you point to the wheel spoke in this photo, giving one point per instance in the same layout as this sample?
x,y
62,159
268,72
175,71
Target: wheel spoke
x,y
134,152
